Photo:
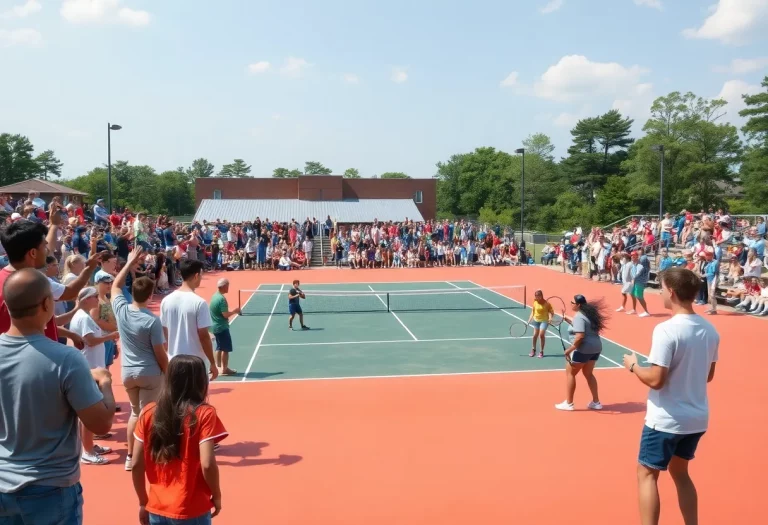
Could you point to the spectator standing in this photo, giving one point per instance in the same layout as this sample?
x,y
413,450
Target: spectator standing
x,y
40,455
186,318
100,213
220,315
684,353
640,274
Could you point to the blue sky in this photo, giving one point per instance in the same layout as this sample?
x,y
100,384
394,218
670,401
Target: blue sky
x,y
378,86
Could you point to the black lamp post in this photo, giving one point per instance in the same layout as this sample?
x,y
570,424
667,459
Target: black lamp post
x,y
660,149
110,129
522,195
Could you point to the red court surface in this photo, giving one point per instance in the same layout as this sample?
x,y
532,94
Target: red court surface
x,y
484,449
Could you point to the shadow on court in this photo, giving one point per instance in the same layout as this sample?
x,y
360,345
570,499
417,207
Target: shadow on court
x,y
260,375
630,407
248,453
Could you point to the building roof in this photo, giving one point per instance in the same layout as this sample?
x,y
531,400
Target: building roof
x,y
40,186
283,210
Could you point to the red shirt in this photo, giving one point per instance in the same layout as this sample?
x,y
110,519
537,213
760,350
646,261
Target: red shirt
x,y
51,331
177,489
116,219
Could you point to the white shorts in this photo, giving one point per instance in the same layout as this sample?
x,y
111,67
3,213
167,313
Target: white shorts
x,y
626,288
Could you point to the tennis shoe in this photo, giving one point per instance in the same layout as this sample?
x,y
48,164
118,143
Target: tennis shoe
x,y
595,406
99,450
644,314
128,463
533,353
305,327
565,405
93,459
631,312
541,354
620,309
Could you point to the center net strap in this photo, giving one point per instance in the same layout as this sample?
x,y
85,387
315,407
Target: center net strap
x,y
262,302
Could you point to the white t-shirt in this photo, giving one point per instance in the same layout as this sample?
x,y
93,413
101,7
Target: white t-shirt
x,y
182,314
82,324
687,345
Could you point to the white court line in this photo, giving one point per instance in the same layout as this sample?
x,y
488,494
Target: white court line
x,y
400,376
602,337
232,319
393,313
393,341
264,331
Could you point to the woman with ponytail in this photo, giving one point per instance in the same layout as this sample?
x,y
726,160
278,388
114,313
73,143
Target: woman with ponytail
x,y
174,449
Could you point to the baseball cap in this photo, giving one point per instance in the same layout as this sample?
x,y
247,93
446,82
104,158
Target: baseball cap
x,y
103,277
579,299
15,216
87,293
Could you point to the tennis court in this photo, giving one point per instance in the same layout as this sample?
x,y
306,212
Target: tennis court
x,y
393,329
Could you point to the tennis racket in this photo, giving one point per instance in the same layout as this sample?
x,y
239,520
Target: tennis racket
x,y
518,329
558,305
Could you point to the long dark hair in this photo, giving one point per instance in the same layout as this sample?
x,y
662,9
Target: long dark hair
x,y
184,389
596,314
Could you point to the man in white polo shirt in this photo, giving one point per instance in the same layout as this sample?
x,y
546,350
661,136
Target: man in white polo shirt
x,y
683,358
186,318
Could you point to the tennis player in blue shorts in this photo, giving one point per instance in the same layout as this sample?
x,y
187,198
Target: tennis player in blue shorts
x,y
294,307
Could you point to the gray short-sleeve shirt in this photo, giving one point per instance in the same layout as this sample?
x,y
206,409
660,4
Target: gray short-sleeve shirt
x,y
591,343
42,385
139,331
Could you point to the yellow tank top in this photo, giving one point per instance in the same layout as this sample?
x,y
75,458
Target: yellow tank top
x,y
541,311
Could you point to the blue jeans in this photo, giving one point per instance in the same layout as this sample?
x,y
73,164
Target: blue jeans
x,y
43,505
154,519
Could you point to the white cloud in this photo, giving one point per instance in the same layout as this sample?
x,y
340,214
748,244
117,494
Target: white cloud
x,y
731,93
133,17
510,80
259,67
399,75
637,102
294,67
351,78
551,7
102,11
566,120
732,21
30,7
739,66
20,37
277,116
575,77
655,4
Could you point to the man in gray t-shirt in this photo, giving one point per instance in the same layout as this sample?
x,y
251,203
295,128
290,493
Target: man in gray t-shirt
x,y
45,387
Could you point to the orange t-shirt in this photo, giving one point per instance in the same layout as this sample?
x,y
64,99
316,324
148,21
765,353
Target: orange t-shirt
x,y
177,490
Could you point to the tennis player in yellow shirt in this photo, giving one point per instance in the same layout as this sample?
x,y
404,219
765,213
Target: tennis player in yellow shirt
x,y
541,315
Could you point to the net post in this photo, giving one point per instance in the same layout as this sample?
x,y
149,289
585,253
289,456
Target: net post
x,y
525,296
388,306
240,300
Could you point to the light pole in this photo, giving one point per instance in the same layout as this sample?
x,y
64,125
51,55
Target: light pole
x,y
522,196
110,129
660,149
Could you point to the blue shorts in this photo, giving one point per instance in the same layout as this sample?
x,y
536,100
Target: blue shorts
x,y
43,504
223,341
657,448
579,358
294,308
540,325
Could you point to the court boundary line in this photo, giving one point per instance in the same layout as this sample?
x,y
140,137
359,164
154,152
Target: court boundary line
x,y
379,342
380,282
405,376
393,313
625,347
263,332
549,329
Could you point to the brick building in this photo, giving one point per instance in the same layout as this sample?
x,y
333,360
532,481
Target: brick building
x,y
317,193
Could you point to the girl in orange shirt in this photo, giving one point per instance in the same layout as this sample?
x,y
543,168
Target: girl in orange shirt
x,y
175,440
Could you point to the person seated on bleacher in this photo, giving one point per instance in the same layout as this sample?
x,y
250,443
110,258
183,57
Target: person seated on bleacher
x,y
735,272
665,261
756,302
754,266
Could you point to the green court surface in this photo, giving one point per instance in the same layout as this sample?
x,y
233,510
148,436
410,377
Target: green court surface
x,y
403,329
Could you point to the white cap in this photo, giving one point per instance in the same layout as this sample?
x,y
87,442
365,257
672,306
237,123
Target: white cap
x,y
15,216
222,283
87,293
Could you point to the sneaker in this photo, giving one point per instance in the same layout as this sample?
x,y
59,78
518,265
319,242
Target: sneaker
x,y
565,405
533,353
595,406
631,312
644,314
541,354
93,459
103,436
99,450
128,463
290,328
305,327
620,309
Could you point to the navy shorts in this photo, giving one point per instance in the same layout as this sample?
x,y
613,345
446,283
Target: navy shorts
x,y
223,341
578,357
657,448
294,308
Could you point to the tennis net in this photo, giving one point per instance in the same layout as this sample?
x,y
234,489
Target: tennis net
x,y
267,302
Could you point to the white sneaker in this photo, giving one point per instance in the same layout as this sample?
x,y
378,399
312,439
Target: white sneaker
x,y
128,463
595,406
93,459
644,314
631,312
565,405
620,309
